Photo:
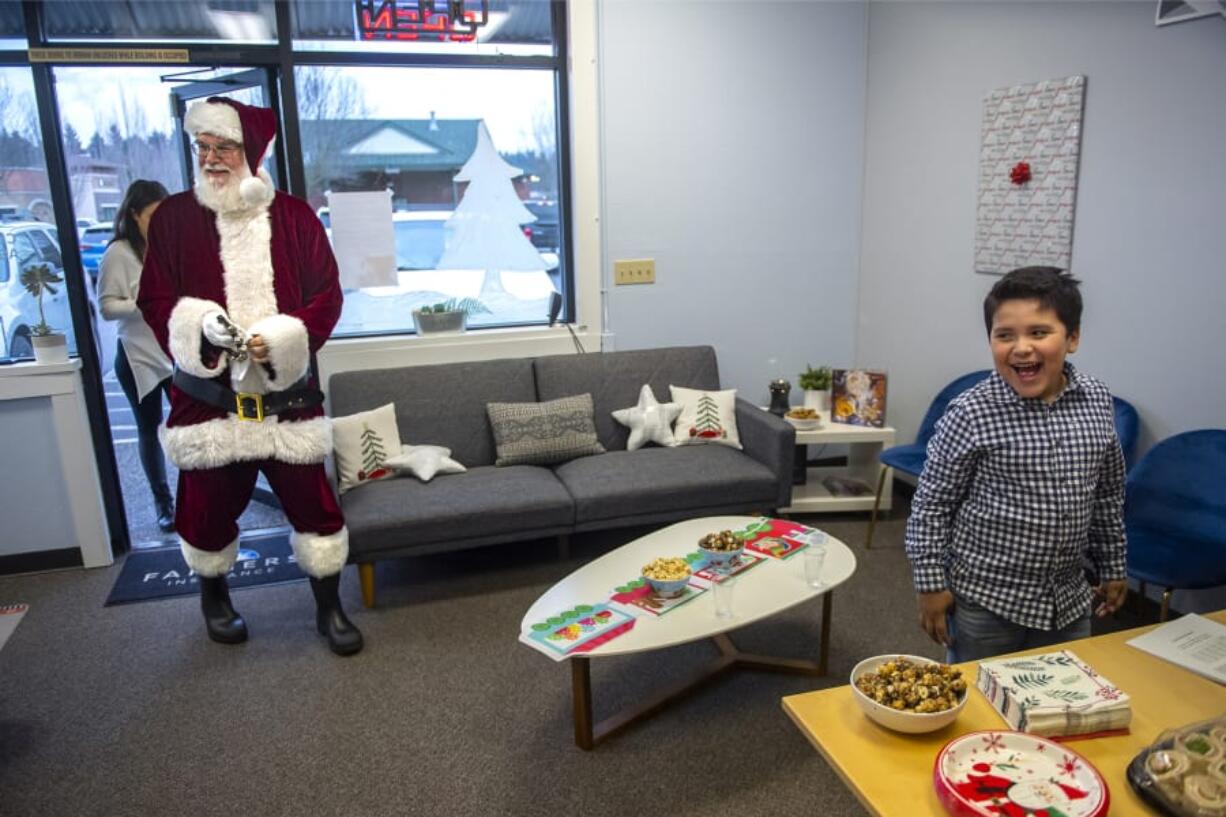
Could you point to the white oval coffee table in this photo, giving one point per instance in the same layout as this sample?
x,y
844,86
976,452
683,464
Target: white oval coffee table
x,y
765,590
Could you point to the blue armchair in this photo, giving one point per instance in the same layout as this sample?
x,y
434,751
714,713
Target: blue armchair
x,y
910,458
1175,514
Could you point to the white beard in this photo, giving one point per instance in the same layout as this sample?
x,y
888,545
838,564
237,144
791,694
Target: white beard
x,y
224,198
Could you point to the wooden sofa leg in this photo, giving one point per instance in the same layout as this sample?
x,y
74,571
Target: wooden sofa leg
x,y
366,575
563,547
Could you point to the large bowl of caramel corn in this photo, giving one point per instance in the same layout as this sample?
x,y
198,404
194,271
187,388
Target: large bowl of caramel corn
x,y
908,693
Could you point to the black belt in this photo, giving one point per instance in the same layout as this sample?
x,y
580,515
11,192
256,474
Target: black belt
x,y
248,405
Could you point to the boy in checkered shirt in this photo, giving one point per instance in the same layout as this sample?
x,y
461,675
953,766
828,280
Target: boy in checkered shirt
x,y
1024,481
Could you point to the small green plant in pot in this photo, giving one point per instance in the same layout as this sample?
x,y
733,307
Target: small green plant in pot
x,y
447,316
49,346
816,384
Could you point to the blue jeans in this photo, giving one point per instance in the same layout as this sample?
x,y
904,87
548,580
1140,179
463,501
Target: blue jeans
x,y
976,633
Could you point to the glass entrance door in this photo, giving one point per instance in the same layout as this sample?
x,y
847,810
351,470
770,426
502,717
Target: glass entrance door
x,y
249,87
120,125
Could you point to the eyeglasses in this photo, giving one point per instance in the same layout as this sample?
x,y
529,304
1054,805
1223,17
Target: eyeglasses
x,y
224,150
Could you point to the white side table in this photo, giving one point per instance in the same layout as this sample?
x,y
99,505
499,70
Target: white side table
x,y
863,464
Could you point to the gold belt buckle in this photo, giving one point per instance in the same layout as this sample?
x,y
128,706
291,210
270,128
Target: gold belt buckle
x,y
250,406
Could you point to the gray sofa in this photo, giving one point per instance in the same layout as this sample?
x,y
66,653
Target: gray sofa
x,y
445,405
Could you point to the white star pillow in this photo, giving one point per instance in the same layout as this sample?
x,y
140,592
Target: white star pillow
x,y
650,421
424,461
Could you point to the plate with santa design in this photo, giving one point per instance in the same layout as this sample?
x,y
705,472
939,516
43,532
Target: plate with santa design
x,y
1013,774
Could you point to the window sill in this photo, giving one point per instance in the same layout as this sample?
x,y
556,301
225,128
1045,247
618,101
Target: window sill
x,y
354,354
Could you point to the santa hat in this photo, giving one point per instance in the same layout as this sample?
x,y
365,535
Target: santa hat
x,y
254,128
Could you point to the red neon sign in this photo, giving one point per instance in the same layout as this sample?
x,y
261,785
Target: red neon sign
x,y
422,20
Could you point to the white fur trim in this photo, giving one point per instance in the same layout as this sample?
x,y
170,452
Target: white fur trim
x,y
216,118
186,336
219,442
246,261
258,190
321,555
209,563
288,350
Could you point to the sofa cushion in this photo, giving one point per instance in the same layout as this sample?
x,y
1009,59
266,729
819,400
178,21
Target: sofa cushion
x,y
484,501
544,433
440,404
361,444
632,483
707,417
614,380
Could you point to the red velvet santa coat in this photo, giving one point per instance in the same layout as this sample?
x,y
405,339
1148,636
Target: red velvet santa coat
x,y
271,269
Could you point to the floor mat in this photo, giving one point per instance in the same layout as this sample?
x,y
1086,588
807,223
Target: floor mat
x,y
10,617
162,573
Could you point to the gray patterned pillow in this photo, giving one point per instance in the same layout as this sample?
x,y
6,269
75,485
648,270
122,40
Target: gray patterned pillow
x,y
543,433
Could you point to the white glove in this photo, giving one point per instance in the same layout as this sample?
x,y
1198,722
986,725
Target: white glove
x,y
215,331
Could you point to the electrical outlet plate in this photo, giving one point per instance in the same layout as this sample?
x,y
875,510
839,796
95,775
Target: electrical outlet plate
x,y
634,271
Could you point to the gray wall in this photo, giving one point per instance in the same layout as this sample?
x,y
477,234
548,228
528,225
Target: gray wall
x,y
733,151
1149,237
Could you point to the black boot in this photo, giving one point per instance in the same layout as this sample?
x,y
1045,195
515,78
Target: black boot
x,y
222,622
166,514
330,619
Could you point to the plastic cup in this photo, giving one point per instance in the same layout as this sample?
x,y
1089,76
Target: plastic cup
x,y
723,591
815,559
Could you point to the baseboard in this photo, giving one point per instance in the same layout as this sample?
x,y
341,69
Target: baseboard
x,y
40,560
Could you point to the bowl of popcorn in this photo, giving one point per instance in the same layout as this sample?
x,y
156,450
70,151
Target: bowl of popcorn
x,y
721,547
804,419
908,693
667,577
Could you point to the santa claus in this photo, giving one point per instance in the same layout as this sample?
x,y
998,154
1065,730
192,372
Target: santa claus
x,y
241,288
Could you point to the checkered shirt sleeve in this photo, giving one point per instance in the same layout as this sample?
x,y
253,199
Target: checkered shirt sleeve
x,y
1015,495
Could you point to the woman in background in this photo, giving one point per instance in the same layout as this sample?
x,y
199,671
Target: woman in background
x,y
141,366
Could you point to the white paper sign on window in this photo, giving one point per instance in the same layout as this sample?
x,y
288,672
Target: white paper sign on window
x,y
1028,175
362,238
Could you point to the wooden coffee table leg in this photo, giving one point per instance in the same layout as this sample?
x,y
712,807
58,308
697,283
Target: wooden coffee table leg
x,y
824,654
581,693
588,733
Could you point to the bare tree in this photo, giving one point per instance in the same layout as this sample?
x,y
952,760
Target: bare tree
x,y
330,110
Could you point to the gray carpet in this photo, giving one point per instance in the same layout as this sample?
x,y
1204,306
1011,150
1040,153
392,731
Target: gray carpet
x,y
130,710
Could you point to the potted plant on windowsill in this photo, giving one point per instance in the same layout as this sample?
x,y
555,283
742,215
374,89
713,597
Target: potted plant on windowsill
x,y
816,383
49,346
448,316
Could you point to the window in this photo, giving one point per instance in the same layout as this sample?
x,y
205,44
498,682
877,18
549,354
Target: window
x,y
247,21
512,27
469,160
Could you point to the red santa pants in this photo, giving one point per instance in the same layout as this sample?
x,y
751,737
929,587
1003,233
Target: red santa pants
x,y
211,500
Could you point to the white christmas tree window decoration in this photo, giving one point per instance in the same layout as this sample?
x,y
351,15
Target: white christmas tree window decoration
x,y
486,230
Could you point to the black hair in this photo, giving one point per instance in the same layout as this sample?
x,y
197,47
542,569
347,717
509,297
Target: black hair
x,y
1052,287
141,193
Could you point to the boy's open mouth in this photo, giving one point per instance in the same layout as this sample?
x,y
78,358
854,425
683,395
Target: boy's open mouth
x,y
1027,371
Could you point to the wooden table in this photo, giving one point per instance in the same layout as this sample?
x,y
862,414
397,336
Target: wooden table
x,y
891,773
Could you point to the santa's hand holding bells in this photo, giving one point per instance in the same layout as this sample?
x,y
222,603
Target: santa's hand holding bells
x,y
241,288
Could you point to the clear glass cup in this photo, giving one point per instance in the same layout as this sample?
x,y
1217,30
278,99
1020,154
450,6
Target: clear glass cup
x,y
722,590
815,559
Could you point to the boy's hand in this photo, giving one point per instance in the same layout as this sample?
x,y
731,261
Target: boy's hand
x,y
932,609
1113,594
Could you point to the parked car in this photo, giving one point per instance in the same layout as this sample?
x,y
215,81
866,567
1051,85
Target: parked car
x,y
544,233
82,225
22,245
93,244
